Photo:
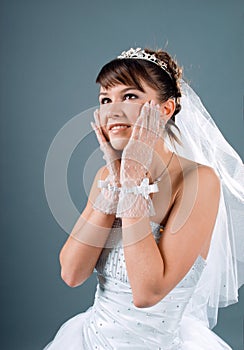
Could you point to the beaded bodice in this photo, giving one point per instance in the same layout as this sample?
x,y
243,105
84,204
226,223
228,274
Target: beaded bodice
x,y
119,321
111,262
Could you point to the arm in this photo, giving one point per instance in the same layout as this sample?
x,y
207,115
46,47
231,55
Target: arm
x,y
80,252
154,270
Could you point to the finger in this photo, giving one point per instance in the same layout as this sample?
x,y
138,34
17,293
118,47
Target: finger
x,y
102,128
152,122
136,129
157,121
144,124
99,119
140,124
144,111
96,117
99,126
147,122
145,119
97,132
94,127
153,117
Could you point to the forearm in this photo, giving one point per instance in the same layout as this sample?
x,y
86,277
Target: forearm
x,y
144,262
81,251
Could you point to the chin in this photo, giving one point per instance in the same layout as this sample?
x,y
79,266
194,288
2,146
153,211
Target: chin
x,y
119,143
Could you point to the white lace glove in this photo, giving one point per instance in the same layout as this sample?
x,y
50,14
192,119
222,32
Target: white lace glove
x,y
108,197
134,199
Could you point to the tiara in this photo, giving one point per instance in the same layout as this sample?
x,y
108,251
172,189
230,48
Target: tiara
x,y
140,54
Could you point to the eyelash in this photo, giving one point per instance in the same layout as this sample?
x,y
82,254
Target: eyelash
x,y
106,98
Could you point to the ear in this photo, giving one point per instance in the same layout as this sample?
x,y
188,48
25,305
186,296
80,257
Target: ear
x,y
167,109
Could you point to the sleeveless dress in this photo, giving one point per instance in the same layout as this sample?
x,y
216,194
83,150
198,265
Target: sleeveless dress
x,y
114,322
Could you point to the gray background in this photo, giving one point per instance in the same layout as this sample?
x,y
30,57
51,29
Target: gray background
x,y
51,52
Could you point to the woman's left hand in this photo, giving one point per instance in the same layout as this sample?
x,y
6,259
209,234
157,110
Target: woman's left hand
x,y
138,153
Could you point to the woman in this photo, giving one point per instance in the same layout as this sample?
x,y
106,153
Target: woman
x,y
157,223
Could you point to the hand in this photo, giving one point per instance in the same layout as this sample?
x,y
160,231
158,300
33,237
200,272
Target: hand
x,y
107,200
136,160
138,153
111,156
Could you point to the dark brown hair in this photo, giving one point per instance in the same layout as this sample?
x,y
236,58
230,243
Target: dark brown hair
x,y
132,72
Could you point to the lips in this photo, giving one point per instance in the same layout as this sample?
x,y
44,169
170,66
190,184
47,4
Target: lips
x,y
118,127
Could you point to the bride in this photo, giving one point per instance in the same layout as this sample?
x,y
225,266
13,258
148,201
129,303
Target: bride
x,y
163,219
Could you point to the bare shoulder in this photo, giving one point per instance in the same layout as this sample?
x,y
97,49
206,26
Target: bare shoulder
x,y
206,174
193,173
186,181
197,196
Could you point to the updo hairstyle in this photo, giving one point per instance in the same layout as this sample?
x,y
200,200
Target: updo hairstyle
x,y
132,72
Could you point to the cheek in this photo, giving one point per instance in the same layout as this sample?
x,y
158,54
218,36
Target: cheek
x,y
129,110
132,111
104,111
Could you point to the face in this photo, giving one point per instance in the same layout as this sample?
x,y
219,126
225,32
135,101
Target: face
x,y
119,108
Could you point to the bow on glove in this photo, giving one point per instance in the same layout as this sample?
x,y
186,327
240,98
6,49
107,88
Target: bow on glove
x,y
134,199
107,199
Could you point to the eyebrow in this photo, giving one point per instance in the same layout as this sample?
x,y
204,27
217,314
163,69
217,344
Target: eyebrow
x,y
122,91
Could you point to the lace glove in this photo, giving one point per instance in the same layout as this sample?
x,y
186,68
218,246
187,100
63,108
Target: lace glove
x,y
134,199
108,197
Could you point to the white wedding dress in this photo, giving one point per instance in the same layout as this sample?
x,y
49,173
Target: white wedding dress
x,y
113,322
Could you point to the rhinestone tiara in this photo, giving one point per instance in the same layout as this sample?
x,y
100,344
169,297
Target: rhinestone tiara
x,y
140,54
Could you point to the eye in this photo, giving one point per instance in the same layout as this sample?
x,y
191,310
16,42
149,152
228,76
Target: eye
x,y
105,100
130,96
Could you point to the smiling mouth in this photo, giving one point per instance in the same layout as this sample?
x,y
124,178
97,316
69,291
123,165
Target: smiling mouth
x,y
118,127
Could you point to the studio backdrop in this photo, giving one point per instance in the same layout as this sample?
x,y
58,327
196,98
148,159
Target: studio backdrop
x,y
51,52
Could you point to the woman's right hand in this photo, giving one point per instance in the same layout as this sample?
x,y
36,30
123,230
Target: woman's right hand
x,y
107,201
111,156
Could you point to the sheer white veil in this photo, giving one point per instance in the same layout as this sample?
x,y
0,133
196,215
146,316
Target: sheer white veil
x,y
204,143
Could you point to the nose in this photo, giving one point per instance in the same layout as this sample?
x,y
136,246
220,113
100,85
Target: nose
x,y
115,110
112,110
